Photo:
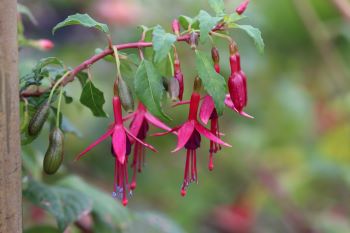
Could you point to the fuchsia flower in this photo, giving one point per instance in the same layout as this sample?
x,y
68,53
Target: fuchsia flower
x,y
189,137
139,126
237,86
242,7
121,148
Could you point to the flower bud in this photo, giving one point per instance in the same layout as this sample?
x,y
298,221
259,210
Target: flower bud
x,y
44,44
125,95
215,55
174,89
238,90
176,27
216,59
180,78
242,7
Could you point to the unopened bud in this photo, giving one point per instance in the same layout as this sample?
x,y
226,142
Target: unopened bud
x,y
44,44
242,7
176,27
215,55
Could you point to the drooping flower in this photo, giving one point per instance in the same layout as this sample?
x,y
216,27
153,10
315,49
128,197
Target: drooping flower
x,y
139,126
237,84
121,148
189,137
242,7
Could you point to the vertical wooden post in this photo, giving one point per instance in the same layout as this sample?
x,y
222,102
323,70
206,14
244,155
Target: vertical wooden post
x,y
10,160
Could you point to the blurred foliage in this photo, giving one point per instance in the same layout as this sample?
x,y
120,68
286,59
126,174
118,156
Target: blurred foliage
x,y
288,168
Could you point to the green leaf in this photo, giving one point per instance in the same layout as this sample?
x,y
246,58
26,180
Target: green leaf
x,y
64,204
186,21
68,99
206,24
162,42
93,98
25,11
82,77
218,6
232,18
255,34
149,88
105,209
213,82
81,19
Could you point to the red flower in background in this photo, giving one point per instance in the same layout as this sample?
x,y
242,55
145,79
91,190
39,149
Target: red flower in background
x,y
189,137
121,148
139,126
120,12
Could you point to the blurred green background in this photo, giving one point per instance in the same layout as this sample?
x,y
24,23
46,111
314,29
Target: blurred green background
x,y
288,169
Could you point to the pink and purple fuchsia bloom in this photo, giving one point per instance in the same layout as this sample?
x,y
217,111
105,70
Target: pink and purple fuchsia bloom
x,y
189,137
139,126
122,140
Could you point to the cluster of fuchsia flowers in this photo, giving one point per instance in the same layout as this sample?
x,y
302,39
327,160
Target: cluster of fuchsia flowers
x,y
128,143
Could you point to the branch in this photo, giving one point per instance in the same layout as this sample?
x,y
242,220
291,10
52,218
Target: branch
x,y
109,51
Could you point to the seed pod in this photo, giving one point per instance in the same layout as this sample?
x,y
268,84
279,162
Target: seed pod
x,y
174,89
39,118
125,95
54,154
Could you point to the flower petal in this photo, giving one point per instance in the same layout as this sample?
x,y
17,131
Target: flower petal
x,y
136,123
156,122
173,130
119,143
184,135
95,143
207,109
229,104
206,133
128,117
139,141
